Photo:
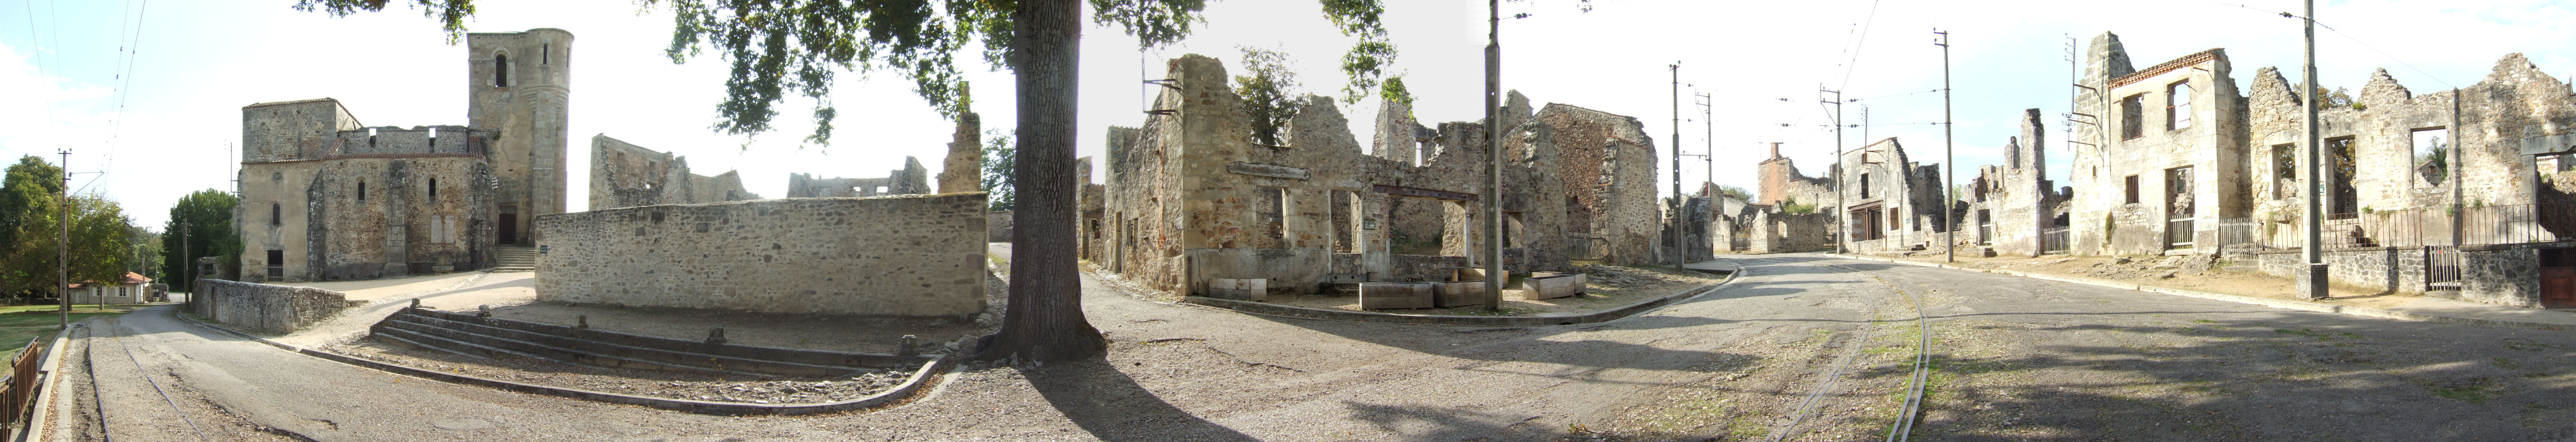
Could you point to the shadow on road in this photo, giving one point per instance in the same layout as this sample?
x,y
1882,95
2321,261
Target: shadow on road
x,y
1112,407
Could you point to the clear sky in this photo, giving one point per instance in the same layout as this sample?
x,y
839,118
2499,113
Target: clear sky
x,y
150,92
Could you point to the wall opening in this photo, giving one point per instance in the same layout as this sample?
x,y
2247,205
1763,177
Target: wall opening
x,y
2346,199
2133,118
1864,184
2129,187
500,70
1271,203
275,214
276,265
2432,155
2178,106
362,191
2285,171
1343,226
2178,193
433,187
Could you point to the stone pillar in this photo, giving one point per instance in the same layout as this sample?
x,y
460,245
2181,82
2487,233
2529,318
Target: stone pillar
x,y
963,171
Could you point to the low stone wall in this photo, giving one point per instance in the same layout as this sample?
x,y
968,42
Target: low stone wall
x,y
1422,267
2374,269
263,308
997,226
906,255
2500,275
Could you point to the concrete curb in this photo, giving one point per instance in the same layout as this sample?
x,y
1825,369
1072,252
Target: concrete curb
x,y
2267,302
909,386
1267,309
37,428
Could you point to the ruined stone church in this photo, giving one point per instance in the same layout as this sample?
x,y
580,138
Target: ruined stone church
x,y
327,197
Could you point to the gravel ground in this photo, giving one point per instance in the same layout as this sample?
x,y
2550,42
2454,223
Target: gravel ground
x,y
665,384
2198,272
1609,287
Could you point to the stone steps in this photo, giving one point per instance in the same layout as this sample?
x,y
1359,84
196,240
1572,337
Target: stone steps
x,y
495,337
514,259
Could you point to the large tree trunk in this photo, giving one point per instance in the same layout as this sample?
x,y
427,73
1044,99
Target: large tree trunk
x,y
1044,319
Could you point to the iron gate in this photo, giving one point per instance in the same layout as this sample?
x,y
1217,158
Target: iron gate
x,y
2441,268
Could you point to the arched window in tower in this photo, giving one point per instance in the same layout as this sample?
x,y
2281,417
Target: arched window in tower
x,y
500,70
274,212
362,191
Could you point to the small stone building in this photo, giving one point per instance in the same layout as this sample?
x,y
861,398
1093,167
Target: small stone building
x,y
626,175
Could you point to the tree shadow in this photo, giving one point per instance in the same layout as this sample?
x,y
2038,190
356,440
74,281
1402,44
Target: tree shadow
x,y
1111,406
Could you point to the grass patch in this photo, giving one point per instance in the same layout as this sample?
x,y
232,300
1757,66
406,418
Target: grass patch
x,y
2321,336
2472,391
2204,321
2506,363
22,323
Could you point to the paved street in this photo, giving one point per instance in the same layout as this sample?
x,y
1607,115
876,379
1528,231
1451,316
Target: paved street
x,y
2016,359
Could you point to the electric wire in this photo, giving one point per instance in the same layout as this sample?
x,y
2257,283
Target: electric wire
x,y
2355,40
1853,63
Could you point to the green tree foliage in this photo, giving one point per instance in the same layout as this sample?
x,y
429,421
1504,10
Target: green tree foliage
x,y
450,14
101,248
1393,92
1001,159
207,218
28,191
1269,91
143,251
1734,192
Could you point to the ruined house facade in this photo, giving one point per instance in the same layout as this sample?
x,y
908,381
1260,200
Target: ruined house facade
x,y
911,179
1190,197
2012,208
326,197
623,174
1892,203
2453,193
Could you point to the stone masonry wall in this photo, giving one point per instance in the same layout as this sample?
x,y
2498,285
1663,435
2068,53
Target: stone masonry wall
x,y
909,255
263,308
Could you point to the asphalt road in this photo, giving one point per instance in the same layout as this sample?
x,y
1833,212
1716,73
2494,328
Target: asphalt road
x,y
2016,359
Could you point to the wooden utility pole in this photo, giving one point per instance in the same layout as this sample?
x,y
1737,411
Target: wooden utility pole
x,y
1674,232
2312,283
1835,169
63,245
1495,274
1949,158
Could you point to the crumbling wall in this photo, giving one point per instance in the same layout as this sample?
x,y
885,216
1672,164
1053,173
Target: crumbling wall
x,y
623,174
1608,165
963,170
910,180
1189,196
893,255
264,308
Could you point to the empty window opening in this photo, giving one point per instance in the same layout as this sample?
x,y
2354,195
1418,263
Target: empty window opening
x,y
2178,192
1344,208
500,70
277,264
546,54
433,187
362,191
1272,203
2285,171
1864,184
2178,105
2133,118
2432,155
2346,198
276,214
2130,188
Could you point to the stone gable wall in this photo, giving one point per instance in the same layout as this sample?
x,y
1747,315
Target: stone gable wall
x,y
909,255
